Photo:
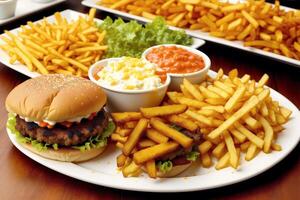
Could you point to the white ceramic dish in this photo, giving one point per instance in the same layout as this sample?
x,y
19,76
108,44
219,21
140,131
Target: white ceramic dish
x,y
102,170
203,35
121,100
194,77
26,7
69,15
7,8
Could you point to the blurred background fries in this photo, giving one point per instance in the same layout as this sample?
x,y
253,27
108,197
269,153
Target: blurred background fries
x,y
59,47
258,23
239,118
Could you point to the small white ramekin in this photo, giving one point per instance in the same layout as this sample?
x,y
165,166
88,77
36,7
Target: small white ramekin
x,y
129,100
7,8
194,77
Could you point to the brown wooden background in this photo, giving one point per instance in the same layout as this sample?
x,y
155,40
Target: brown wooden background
x,y
22,178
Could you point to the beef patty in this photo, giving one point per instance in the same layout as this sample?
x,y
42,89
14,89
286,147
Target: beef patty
x,y
77,134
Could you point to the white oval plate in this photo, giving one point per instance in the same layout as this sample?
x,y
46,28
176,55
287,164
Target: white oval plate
x,y
69,15
103,171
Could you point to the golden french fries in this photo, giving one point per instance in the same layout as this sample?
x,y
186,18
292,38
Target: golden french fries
x,y
134,136
243,117
153,152
156,136
171,133
126,116
162,110
258,23
67,47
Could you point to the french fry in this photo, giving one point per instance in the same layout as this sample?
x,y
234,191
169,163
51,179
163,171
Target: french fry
x,y
239,136
180,121
154,152
205,147
276,147
231,149
192,90
251,136
131,170
130,124
268,134
119,145
156,136
250,104
286,113
206,160
223,162
151,168
219,109
124,132
200,118
135,136
171,133
219,150
230,104
116,137
126,116
121,159
146,143
163,110
207,93
191,102
251,152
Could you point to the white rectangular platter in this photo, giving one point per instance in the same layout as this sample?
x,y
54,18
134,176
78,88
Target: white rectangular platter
x,y
202,35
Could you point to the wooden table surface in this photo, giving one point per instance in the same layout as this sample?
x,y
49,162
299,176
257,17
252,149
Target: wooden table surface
x,y
22,178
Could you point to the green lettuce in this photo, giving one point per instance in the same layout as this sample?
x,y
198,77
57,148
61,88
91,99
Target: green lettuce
x,y
93,142
99,140
132,38
164,166
177,128
192,156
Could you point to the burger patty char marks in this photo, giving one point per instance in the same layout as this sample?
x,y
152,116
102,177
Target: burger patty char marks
x,y
77,134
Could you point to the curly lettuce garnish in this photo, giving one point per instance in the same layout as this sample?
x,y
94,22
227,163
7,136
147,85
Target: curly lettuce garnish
x,y
192,156
93,142
132,38
99,140
164,166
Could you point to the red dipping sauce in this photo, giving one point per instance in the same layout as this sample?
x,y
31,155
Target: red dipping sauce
x,y
176,60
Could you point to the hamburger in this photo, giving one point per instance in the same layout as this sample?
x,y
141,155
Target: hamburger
x,y
60,117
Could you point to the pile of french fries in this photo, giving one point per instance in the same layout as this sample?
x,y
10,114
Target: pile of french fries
x,y
60,47
146,136
256,22
234,114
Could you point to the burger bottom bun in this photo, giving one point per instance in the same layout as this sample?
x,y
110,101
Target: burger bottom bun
x,y
66,154
176,170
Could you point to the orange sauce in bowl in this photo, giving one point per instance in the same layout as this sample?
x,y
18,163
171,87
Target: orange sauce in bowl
x,y
176,60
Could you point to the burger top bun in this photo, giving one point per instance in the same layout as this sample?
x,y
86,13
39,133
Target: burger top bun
x,y
55,97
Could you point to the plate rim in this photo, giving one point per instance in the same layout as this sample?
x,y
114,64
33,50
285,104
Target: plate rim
x,y
61,166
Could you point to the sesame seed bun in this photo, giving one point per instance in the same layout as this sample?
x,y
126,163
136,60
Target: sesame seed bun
x,y
55,97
